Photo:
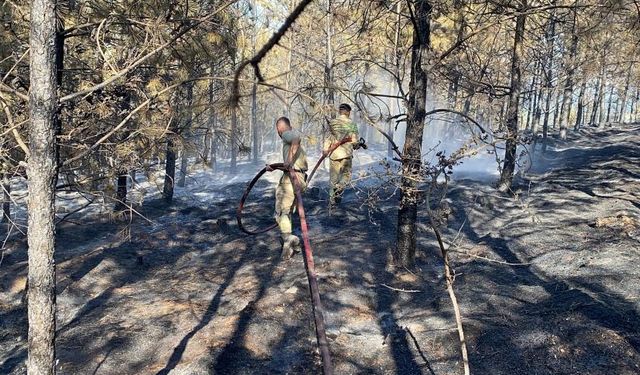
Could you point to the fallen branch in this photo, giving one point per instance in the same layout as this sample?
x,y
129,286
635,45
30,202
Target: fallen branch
x,y
401,290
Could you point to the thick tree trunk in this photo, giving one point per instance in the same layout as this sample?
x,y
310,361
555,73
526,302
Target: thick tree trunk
x,y
169,172
412,157
6,199
42,172
508,168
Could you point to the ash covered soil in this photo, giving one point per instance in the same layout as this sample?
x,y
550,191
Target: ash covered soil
x,y
547,280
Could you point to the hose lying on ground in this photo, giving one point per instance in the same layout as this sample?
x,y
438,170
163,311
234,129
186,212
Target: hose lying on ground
x,y
307,254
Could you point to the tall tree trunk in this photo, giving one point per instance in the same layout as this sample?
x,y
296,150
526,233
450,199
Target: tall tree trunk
x,y
206,144
580,110
184,164
394,80
568,85
537,111
42,172
634,106
594,107
213,158
600,103
508,168
550,38
609,104
184,161
460,24
532,96
597,103
556,109
254,91
329,94
623,100
169,172
254,122
6,199
412,157
233,137
545,122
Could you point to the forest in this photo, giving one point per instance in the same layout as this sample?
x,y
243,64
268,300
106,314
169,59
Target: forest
x,y
456,187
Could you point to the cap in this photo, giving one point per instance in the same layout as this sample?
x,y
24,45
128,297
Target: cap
x,y
345,107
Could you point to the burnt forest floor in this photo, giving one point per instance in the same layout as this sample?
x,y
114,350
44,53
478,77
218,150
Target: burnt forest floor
x,y
547,280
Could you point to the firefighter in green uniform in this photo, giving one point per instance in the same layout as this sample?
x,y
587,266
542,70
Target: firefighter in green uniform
x,y
294,156
341,158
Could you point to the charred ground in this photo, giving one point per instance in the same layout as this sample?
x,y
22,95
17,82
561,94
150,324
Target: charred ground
x,y
547,281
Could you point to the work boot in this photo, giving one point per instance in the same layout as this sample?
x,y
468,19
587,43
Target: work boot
x,y
290,246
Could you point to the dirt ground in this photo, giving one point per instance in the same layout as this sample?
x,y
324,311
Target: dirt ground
x,y
548,282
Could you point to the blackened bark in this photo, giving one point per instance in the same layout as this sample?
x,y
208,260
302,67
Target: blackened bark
x,y
42,173
508,168
580,110
121,192
169,172
412,156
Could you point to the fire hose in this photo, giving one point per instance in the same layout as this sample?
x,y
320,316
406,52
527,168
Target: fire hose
x,y
309,265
